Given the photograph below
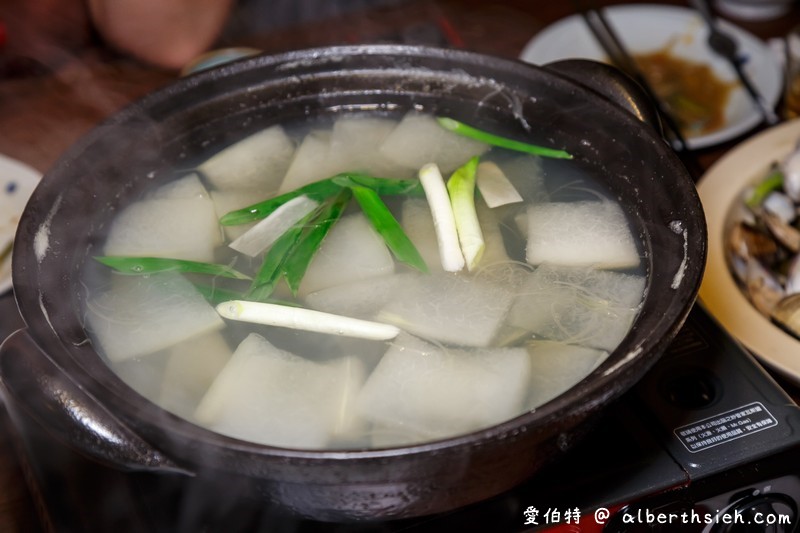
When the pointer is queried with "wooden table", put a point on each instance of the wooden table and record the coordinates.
(42, 114)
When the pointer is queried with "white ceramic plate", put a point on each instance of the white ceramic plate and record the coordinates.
(648, 28)
(719, 189)
(17, 181)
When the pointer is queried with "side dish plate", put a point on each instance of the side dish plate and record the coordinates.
(17, 181)
(650, 28)
(719, 188)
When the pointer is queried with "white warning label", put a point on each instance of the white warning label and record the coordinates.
(725, 427)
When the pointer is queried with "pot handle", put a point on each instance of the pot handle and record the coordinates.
(613, 84)
(31, 382)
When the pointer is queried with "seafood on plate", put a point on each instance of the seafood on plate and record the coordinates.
(763, 242)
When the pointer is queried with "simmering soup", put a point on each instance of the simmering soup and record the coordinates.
(364, 282)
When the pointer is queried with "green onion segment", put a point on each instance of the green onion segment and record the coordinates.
(495, 140)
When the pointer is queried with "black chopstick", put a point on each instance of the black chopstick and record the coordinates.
(725, 45)
(619, 56)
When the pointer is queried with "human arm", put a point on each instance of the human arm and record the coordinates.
(165, 33)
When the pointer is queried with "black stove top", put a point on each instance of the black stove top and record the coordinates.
(706, 438)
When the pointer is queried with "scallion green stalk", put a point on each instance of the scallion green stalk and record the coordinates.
(387, 227)
(318, 190)
(301, 255)
(444, 223)
(305, 319)
(503, 142)
(772, 182)
(461, 187)
(272, 267)
(382, 186)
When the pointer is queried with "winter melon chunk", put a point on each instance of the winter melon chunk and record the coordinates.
(577, 305)
(177, 221)
(311, 162)
(271, 396)
(417, 222)
(232, 200)
(359, 299)
(450, 308)
(557, 367)
(257, 161)
(419, 139)
(355, 147)
(439, 392)
(139, 315)
(191, 367)
(351, 251)
(580, 234)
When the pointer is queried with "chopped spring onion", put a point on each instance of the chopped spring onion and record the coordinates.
(443, 219)
(382, 186)
(272, 267)
(152, 265)
(305, 319)
(495, 140)
(772, 182)
(268, 230)
(318, 190)
(301, 255)
(461, 187)
(387, 227)
(494, 186)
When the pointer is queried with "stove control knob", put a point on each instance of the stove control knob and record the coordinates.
(758, 513)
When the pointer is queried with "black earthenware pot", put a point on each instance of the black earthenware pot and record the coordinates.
(51, 373)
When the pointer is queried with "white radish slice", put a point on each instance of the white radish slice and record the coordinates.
(419, 139)
(355, 147)
(267, 231)
(360, 299)
(177, 221)
(495, 251)
(495, 187)
(191, 367)
(557, 367)
(139, 315)
(436, 391)
(417, 222)
(526, 175)
(450, 308)
(580, 234)
(274, 397)
(257, 161)
(305, 319)
(351, 251)
(311, 162)
(143, 374)
(188, 187)
(578, 305)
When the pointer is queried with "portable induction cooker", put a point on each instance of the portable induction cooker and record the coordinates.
(707, 441)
